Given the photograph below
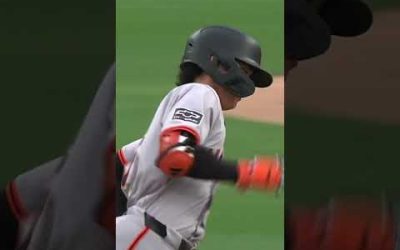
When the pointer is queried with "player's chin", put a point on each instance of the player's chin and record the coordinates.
(231, 105)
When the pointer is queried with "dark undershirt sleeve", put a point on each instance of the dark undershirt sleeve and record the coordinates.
(209, 167)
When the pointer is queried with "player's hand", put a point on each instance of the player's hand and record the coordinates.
(265, 173)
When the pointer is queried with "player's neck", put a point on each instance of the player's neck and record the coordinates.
(204, 79)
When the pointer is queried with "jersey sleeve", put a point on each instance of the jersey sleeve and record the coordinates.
(194, 111)
(128, 152)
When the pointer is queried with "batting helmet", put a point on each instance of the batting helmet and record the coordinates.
(218, 50)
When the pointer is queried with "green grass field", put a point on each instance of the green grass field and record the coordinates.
(150, 39)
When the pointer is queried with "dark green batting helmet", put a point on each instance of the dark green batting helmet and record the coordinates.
(219, 50)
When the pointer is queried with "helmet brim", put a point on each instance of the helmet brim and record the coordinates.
(260, 77)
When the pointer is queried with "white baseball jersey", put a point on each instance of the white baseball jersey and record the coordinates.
(180, 203)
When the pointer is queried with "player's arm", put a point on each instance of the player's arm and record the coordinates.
(125, 155)
(181, 155)
(177, 149)
(264, 173)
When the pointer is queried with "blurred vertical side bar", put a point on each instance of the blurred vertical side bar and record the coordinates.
(57, 182)
(342, 124)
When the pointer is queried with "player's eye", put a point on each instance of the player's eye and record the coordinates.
(247, 70)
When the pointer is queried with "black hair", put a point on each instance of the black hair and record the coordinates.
(188, 73)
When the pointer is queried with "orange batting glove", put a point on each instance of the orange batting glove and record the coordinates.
(262, 173)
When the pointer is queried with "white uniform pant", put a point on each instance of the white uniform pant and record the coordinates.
(132, 234)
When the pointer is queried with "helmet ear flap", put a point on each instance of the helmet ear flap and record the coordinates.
(226, 71)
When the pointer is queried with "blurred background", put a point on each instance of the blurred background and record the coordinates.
(342, 129)
(342, 116)
(151, 36)
(52, 60)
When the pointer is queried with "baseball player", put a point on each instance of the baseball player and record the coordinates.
(171, 173)
(345, 223)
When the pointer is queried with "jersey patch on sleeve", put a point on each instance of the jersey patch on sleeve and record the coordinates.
(187, 115)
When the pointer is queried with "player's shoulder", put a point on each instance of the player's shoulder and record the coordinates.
(196, 90)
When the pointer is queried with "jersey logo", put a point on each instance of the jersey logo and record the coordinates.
(187, 115)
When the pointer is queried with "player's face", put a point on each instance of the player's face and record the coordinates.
(228, 99)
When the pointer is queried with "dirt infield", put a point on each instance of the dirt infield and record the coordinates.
(266, 105)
